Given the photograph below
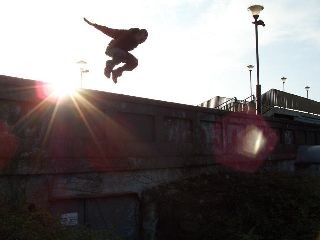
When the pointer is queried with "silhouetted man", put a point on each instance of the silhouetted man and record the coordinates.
(118, 49)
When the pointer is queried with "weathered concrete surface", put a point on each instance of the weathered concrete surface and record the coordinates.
(108, 132)
(308, 159)
(97, 145)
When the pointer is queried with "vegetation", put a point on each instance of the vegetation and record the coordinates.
(228, 205)
(240, 206)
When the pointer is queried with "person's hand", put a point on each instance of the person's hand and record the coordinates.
(87, 21)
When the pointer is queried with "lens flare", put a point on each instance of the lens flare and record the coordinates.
(249, 142)
(253, 142)
(55, 91)
(63, 90)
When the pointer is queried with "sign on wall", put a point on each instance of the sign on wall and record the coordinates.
(69, 219)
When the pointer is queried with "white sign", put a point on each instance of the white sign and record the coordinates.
(69, 219)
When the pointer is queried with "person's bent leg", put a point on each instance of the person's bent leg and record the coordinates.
(117, 55)
(130, 63)
(109, 67)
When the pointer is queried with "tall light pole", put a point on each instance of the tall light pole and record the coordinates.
(255, 10)
(83, 70)
(250, 67)
(307, 89)
(283, 82)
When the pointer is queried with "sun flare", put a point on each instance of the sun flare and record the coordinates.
(63, 90)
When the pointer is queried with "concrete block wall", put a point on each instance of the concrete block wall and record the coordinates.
(97, 147)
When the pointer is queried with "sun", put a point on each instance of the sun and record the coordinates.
(60, 90)
(55, 91)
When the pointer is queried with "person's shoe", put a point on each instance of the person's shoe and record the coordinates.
(107, 71)
(115, 74)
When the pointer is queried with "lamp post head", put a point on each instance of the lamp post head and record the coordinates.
(82, 62)
(307, 88)
(250, 67)
(283, 79)
(255, 10)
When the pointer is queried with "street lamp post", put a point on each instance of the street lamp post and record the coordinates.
(283, 82)
(83, 70)
(307, 89)
(255, 10)
(250, 67)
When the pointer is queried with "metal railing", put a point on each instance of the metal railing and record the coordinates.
(235, 105)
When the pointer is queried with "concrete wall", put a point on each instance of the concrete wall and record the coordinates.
(99, 149)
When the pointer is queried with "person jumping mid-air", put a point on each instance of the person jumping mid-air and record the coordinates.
(124, 40)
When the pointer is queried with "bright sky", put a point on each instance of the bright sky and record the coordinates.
(197, 49)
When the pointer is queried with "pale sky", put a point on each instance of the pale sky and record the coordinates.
(197, 49)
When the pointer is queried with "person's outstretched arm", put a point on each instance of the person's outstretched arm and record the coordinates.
(114, 33)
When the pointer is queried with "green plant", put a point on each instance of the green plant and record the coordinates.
(241, 206)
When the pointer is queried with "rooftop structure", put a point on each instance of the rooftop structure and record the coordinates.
(275, 103)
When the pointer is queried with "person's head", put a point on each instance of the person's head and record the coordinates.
(141, 35)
